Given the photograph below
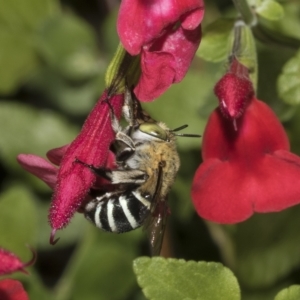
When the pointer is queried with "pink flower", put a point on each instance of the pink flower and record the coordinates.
(10, 263)
(247, 166)
(12, 289)
(166, 33)
(71, 181)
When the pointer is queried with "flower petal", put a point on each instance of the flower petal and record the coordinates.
(158, 73)
(166, 61)
(220, 194)
(182, 44)
(55, 155)
(258, 132)
(91, 146)
(191, 19)
(277, 182)
(39, 167)
(140, 22)
(226, 194)
(11, 289)
(246, 170)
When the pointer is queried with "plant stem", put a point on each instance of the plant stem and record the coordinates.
(245, 11)
(224, 242)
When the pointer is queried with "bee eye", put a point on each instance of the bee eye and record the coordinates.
(153, 130)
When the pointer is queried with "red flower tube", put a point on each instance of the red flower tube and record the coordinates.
(71, 182)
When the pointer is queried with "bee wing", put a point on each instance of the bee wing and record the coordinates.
(140, 115)
(156, 227)
(156, 222)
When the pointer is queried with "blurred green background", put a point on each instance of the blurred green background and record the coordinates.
(53, 56)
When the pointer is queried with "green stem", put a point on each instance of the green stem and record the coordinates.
(245, 11)
(122, 70)
(224, 242)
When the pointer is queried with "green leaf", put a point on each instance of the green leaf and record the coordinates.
(24, 129)
(17, 60)
(284, 32)
(274, 250)
(290, 293)
(175, 279)
(73, 99)
(215, 40)
(26, 15)
(35, 287)
(110, 39)
(264, 294)
(101, 267)
(289, 81)
(269, 9)
(18, 22)
(18, 221)
(244, 48)
(69, 45)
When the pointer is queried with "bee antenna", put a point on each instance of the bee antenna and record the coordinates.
(180, 128)
(187, 135)
(184, 134)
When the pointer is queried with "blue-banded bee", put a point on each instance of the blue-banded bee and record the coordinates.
(147, 164)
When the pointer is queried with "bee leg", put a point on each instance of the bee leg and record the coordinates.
(114, 120)
(133, 111)
(122, 149)
(128, 110)
(128, 177)
(102, 172)
(117, 176)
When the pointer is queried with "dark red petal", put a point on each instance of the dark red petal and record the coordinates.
(90, 146)
(191, 20)
(166, 62)
(140, 22)
(234, 90)
(39, 167)
(158, 73)
(10, 263)
(182, 44)
(11, 289)
(55, 155)
(234, 94)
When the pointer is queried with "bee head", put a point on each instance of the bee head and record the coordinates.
(150, 131)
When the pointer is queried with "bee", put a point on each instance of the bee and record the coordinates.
(147, 164)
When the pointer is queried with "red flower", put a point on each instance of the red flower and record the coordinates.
(167, 34)
(12, 289)
(72, 182)
(247, 168)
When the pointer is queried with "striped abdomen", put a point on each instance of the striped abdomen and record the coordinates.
(118, 212)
